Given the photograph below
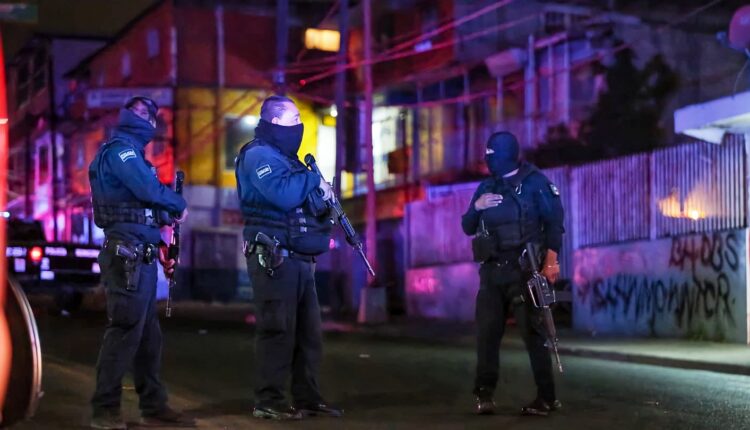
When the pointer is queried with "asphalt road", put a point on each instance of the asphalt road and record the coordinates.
(388, 384)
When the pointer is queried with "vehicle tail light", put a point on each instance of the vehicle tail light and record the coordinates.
(35, 254)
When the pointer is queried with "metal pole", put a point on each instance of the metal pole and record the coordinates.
(282, 37)
(27, 210)
(370, 210)
(53, 144)
(341, 117)
(416, 145)
(218, 168)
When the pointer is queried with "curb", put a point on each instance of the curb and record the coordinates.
(733, 369)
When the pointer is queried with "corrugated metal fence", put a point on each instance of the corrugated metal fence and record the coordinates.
(691, 188)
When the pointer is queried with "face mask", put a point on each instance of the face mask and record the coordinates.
(287, 138)
(502, 154)
(136, 126)
(499, 166)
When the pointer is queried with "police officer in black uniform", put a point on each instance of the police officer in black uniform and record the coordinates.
(130, 204)
(516, 205)
(286, 226)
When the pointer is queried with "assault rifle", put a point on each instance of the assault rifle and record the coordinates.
(333, 203)
(174, 245)
(542, 296)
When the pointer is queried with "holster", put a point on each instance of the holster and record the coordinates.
(132, 264)
(270, 253)
(133, 258)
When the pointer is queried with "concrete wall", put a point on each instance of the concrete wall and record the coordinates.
(445, 292)
(692, 286)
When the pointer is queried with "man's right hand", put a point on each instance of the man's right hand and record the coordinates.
(488, 200)
(327, 189)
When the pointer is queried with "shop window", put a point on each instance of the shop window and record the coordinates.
(125, 65)
(152, 43)
(239, 131)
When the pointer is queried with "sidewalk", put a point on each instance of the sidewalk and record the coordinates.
(685, 354)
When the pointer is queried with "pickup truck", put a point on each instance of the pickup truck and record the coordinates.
(65, 270)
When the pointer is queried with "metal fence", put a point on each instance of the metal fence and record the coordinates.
(692, 188)
(699, 187)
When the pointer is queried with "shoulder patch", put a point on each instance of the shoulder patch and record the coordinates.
(127, 155)
(263, 170)
(553, 189)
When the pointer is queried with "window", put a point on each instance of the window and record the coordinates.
(22, 91)
(44, 165)
(80, 157)
(125, 65)
(40, 71)
(239, 131)
(152, 43)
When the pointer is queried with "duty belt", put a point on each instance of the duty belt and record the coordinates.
(257, 248)
(145, 252)
(506, 258)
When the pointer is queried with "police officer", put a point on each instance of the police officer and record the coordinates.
(516, 205)
(130, 204)
(286, 226)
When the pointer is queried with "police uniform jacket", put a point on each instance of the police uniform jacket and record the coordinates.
(121, 175)
(274, 190)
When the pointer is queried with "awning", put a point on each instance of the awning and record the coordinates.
(709, 121)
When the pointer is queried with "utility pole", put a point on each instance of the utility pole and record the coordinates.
(53, 143)
(218, 115)
(372, 302)
(282, 37)
(341, 116)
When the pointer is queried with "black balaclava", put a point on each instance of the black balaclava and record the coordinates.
(138, 128)
(287, 138)
(505, 159)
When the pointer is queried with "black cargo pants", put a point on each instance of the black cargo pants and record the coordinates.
(500, 290)
(288, 332)
(132, 338)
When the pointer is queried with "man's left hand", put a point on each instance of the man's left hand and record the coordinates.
(551, 272)
(167, 264)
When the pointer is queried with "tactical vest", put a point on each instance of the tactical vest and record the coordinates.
(107, 213)
(305, 229)
(513, 233)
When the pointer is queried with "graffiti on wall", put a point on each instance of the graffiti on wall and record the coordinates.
(687, 286)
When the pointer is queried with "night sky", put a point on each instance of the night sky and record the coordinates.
(74, 17)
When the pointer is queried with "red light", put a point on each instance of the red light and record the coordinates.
(36, 254)
(302, 82)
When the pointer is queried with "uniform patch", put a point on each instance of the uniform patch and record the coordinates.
(263, 170)
(554, 189)
(127, 155)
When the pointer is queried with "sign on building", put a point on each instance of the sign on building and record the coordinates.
(110, 98)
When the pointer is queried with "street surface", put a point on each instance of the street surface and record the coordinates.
(386, 384)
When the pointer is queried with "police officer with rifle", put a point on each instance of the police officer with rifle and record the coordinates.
(514, 207)
(131, 205)
(287, 224)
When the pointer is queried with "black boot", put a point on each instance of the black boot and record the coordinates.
(281, 413)
(167, 417)
(540, 407)
(485, 402)
(107, 419)
(320, 410)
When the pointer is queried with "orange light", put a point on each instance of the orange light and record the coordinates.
(324, 40)
(36, 254)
